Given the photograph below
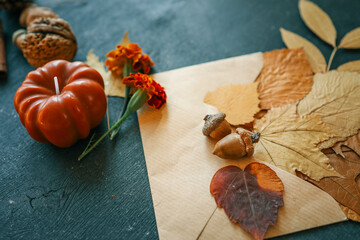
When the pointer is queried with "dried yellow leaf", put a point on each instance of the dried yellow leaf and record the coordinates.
(238, 102)
(351, 40)
(335, 97)
(113, 84)
(289, 141)
(285, 78)
(315, 57)
(125, 41)
(318, 21)
(353, 66)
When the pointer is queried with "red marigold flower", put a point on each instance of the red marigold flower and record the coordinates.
(155, 92)
(144, 63)
(117, 58)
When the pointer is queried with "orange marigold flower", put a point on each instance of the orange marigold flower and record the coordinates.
(117, 58)
(155, 92)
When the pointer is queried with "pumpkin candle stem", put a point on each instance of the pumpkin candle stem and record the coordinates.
(56, 82)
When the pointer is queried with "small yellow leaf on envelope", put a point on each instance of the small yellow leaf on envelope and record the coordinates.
(238, 102)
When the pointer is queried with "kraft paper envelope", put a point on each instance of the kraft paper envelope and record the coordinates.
(180, 163)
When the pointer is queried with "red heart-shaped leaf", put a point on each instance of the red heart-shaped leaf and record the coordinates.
(250, 197)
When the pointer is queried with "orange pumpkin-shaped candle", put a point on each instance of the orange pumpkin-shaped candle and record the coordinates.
(60, 102)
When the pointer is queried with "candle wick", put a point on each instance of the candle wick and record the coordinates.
(56, 82)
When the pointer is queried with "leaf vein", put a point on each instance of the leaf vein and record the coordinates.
(297, 152)
(358, 200)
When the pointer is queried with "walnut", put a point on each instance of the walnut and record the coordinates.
(46, 39)
(32, 12)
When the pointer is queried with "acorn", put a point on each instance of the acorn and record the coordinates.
(216, 126)
(236, 145)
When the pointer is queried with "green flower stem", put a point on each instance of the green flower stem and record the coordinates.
(126, 72)
(137, 101)
(126, 101)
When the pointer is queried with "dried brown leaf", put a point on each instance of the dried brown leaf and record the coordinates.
(285, 78)
(346, 189)
(350, 214)
(353, 66)
(315, 57)
(351, 40)
(335, 96)
(113, 84)
(238, 102)
(352, 142)
(318, 21)
(250, 197)
(289, 141)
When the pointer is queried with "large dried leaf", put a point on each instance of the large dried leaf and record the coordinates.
(353, 66)
(335, 97)
(289, 141)
(238, 102)
(352, 142)
(345, 190)
(285, 78)
(250, 197)
(113, 83)
(315, 57)
(351, 40)
(318, 21)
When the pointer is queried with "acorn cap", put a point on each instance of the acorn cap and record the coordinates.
(248, 138)
(216, 126)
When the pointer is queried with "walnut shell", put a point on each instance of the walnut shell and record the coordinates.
(46, 39)
(32, 12)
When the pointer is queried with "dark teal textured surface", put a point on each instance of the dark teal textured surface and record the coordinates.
(46, 193)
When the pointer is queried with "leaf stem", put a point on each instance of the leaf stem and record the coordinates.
(90, 148)
(331, 58)
(255, 137)
(138, 99)
(207, 222)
